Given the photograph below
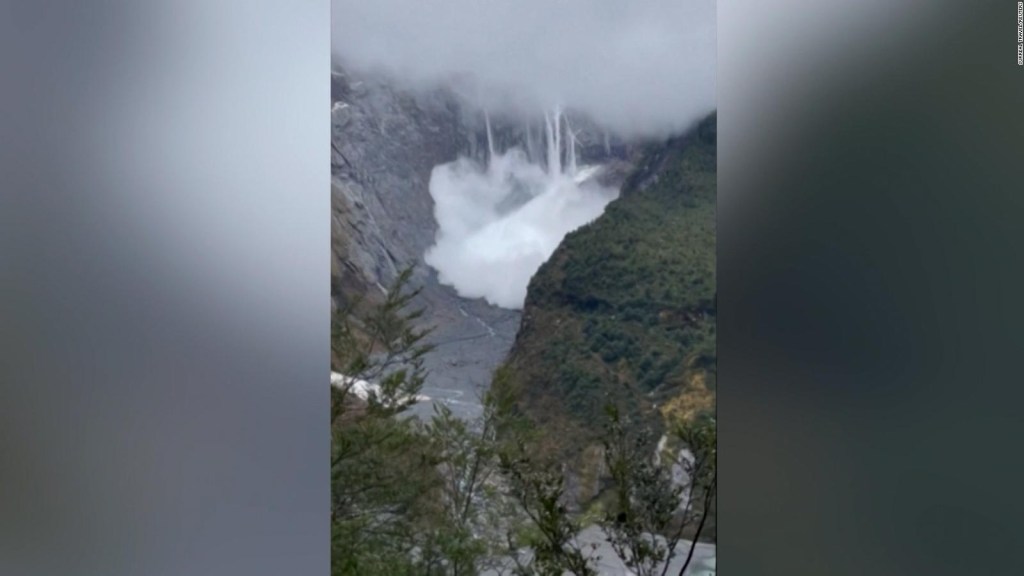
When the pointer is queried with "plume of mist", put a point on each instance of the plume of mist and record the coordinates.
(497, 224)
(638, 67)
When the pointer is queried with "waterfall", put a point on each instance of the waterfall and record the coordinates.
(572, 148)
(531, 145)
(553, 128)
(490, 138)
(559, 147)
(499, 220)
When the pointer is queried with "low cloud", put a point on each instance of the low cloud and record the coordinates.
(639, 67)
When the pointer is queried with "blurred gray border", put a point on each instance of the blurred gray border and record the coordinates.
(164, 294)
(869, 274)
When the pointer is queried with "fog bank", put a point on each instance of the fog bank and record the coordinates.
(642, 67)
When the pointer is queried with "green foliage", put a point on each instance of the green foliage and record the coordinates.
(377, 506)
(381, 345)
(476, 513)
(439, 498)
(539, 490)
(650, 510)
(700, 437)
(646, 499)
(625, 310)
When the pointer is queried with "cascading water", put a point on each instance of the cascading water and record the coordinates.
(531, 143)
(498, 223)
(490, 138)
(553, 127)
(572, 148)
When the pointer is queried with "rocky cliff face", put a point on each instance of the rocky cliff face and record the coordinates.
(385, 142)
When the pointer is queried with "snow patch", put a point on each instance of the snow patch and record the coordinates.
(362, 389)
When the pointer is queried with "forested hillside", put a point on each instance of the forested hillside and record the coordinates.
(624, 311)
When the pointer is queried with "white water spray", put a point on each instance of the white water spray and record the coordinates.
(498, 223)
